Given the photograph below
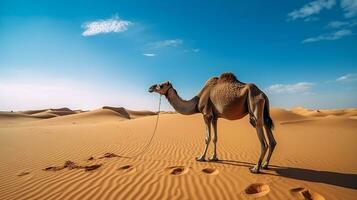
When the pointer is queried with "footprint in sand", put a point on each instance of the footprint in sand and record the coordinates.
(91, 167)
(23, 173)
(177, 170)
(210, 171)
(71, 165)
(109, 155)
(306, 194)
(127, 169)
(257, 190)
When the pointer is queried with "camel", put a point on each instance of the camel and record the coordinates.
(226, 97)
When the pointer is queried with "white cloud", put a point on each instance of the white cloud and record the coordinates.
(166, 43)
(311, 8)
(290, 88)
(113, 24)
(337, 24)
(350, 7)
(332, 36)
(149, 54)
(347, 78)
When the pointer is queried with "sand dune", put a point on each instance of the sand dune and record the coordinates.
(67, 116)
(130, 114)
(33, 115)
(105, 114)
(90, 117)
(279, 114)
(84, 156)
(48, 113)
(53, 113)
(7, 118)
(30, 112)
(324, 113)
(141, 113)
(120, 110)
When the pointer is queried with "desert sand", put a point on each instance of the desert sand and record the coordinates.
(66, 154)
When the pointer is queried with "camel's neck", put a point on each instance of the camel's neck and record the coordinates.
(182, 106)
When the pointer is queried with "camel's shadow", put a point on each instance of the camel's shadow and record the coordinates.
(333, 178)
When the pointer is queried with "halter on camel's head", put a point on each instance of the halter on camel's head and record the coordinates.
(161, 88)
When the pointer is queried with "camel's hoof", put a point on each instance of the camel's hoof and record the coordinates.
(213, 159)
(265, 166)
(254, 170)
(201, 159)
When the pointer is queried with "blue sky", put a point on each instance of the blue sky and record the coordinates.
(86, 54)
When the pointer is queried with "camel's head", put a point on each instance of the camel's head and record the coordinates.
(161, 88)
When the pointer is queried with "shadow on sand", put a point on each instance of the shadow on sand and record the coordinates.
(333, 178)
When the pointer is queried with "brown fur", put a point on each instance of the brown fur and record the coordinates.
(208, 85)
(227, 77)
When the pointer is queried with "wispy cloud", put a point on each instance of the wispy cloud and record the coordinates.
(114, 24)
(341, 24)
(350, 8)
(337, 24)
(166, 43)
(311, 8)
(332, 36)
(290, 88)
(149, 54)
(347, 78)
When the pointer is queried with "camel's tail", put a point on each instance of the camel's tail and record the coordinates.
(267, 119)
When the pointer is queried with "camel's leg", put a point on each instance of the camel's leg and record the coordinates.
(272, 144)
(207, 139)
(258, 111)
(214, 156)
(264, 148)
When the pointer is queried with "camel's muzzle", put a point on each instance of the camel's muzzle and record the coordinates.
(152, 88)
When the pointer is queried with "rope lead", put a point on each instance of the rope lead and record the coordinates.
(152, 136)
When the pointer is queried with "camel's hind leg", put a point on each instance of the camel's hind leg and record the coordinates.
(215, 138)
(258, 110)
(272, 144)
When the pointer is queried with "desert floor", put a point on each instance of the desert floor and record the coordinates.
(315, 157)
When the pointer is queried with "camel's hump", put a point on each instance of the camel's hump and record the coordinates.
(227, 77)
(208, 85)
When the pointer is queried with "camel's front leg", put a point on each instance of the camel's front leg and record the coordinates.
(214, 156)
(264, 147)
(207, 139)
